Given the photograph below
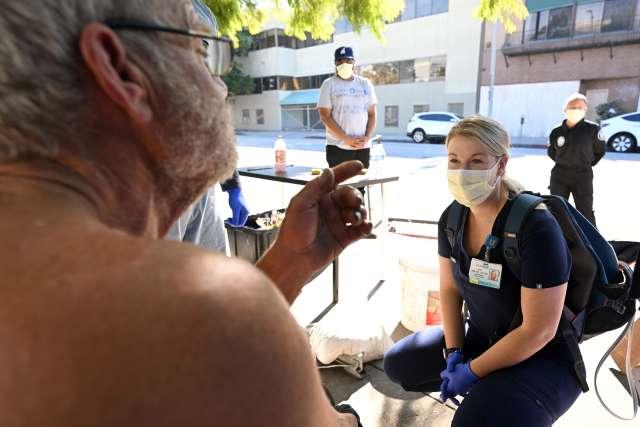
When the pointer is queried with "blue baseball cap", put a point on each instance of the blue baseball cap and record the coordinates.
(343, 52)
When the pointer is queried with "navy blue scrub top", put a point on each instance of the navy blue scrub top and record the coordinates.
(545, 263)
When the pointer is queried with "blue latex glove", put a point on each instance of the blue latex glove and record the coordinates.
(452, 360)
(238, 207)
(459, 381)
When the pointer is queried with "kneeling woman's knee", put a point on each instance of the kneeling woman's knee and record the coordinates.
(393, 365)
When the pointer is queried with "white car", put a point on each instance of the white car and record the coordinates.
(622, 133)
(428, 126)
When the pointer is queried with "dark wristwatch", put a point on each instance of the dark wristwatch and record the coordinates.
(447, 351)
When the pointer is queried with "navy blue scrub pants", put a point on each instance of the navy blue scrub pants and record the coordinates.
(533, 393)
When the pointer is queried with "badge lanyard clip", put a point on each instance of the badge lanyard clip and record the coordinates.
(490, 243)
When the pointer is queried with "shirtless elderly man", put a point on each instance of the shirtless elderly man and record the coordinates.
(106, 135)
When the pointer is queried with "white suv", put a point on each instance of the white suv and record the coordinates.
(427, 126)
(622, 133)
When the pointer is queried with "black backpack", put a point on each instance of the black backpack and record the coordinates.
(601, 295)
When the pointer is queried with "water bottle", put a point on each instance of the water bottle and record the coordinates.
(376, 162)
(280, 149)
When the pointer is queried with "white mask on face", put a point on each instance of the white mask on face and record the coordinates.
(471, 187)
(575, 115)
(345, 71)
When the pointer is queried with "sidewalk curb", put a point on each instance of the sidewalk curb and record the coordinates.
(408, 141)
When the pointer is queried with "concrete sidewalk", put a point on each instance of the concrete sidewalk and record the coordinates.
(524, 142)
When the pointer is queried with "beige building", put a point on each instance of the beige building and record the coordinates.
(430, 62)
(564, 46)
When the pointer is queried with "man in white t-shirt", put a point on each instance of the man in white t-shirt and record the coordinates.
(347, 106)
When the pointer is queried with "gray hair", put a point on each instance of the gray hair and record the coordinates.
(42, 74)
(492, 135)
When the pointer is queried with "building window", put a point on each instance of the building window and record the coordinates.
(430, 69)
(407, 72)
(285, 83)
(456, 108)
(260, 116)
(269, 83)
(271, 38)
(438, 69)
(617, 15)
(419, 8)
(246, 118)
(541, 26)
(529, 31)
(409, 11)
(385, 73)
(560, 22)
(431, 7)
(343, 26)
(422, 108)
(414, 70)
(391, 116)
(277, 38)
(439, 6)
(589, 18)
(285, 40)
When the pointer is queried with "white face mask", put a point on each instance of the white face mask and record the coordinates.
(471, 187)
(345, 71)
(575, 115)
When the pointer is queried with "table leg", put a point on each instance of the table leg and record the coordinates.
(368, 189)
(336, 280)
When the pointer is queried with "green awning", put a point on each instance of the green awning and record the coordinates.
(537, 5)
(301, 97)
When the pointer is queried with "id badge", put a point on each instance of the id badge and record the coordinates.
(484, 273)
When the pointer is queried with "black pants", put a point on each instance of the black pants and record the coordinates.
(533, 393)
(580, 184)
(336, 155)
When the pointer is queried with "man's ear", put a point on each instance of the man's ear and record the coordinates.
(120, 80)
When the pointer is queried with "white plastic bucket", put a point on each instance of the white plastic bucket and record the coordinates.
(420, 287)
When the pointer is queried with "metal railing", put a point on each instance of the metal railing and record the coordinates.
(595, 34)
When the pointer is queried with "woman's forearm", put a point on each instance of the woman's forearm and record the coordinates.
(515, 347)
(452, 323)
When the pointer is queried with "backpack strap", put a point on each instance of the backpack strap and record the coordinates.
(569, 335)
(521, 206)
(455, 215)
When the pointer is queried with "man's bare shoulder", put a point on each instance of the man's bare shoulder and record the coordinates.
(138, 331)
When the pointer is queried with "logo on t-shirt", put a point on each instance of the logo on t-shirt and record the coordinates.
(560, 141)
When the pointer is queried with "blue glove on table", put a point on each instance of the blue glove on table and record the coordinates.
(452, 360)
(238, 207)
(459, 380)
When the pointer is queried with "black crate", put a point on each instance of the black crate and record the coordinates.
(250, 242)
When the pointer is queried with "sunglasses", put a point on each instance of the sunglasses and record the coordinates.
(219, 56)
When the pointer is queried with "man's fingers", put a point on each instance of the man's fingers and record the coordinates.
(353, 216)
(314, 190)
(347, 197)
(357, 232)
(346, 170)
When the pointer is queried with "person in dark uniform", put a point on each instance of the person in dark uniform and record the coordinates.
(522, 376)
(575, 146)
